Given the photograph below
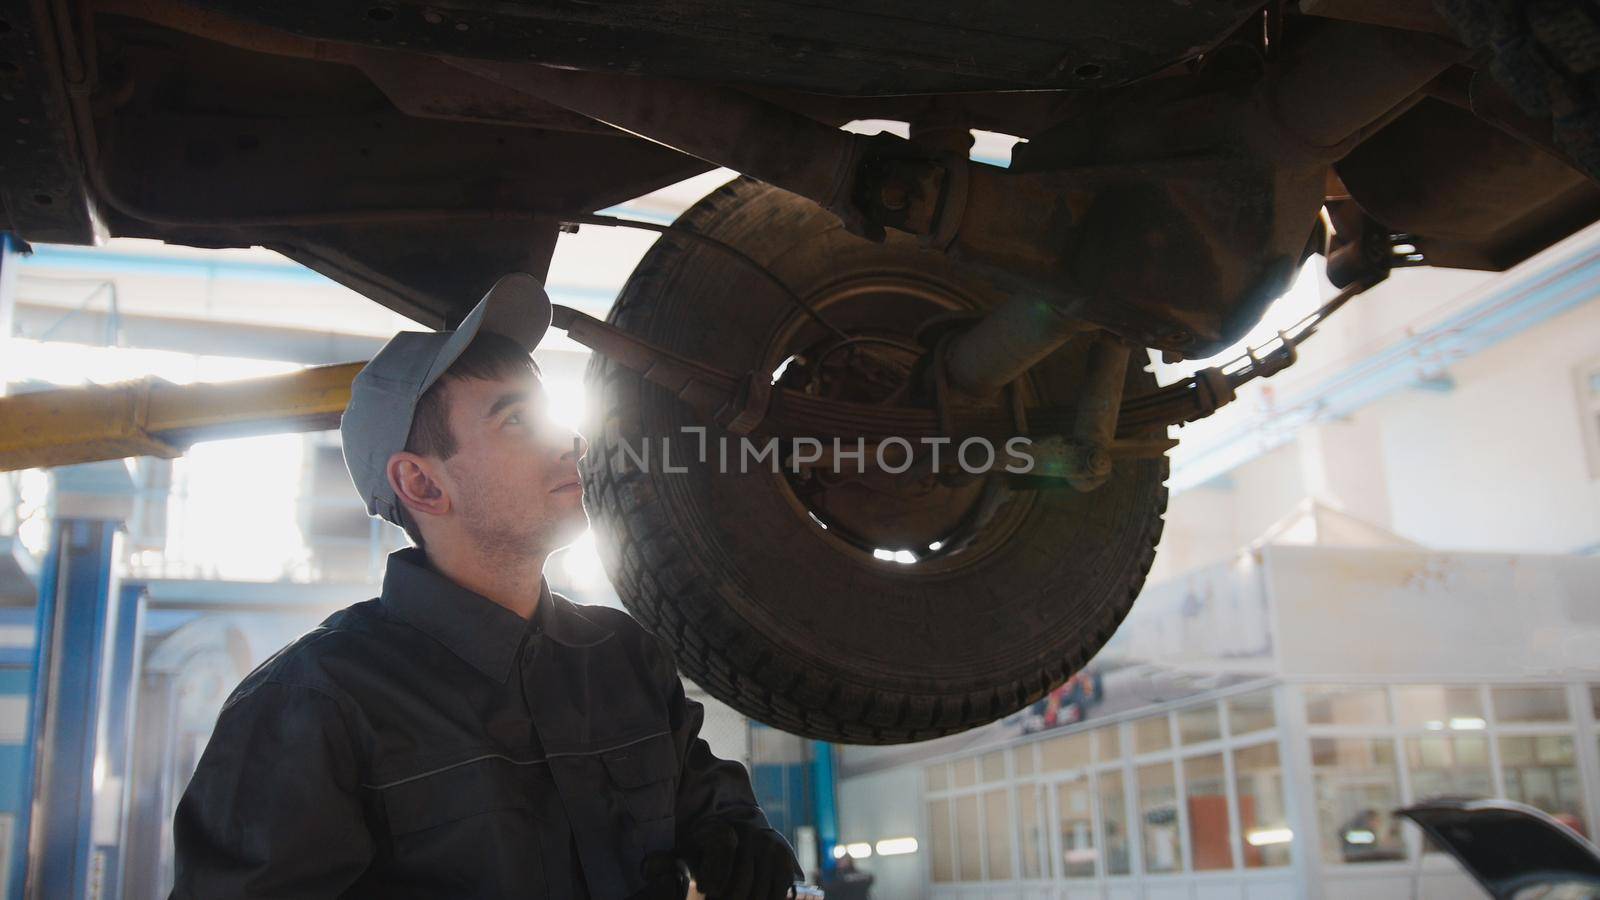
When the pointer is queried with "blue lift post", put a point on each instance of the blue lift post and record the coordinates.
(826, 808)
(76, 622)
(115, 743)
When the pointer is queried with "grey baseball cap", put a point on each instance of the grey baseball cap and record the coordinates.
(383, 397)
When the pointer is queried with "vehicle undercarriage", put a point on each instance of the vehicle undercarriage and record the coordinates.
(1179, 164)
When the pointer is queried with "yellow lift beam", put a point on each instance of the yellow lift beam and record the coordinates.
(153, 417)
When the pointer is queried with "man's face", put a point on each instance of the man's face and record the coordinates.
(513, 479)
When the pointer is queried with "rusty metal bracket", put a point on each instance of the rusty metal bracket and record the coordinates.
(753, 405)
(707, 390)
(1094, 427)
(952, 208)
(1114, 428)
(1203, 393)
(747, 410)
(1214, 389)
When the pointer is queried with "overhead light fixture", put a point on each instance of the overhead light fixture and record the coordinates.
(859, 851)
(838, 851)
(1360, 836)
(1467, 723)
(1080, 855)
(897, 846)
(1266, 837)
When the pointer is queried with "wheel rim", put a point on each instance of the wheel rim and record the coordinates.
(914, 524)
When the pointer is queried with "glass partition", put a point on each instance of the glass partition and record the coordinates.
(997, 830)
(1075, 818)
(1158, 818)
(1263, 815)
(1357, 788)
(1205, 788)
(1114, 822)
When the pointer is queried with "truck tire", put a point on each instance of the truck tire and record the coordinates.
(805, 627)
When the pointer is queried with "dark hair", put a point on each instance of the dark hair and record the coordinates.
(488, 357)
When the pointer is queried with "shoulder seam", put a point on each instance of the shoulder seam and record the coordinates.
(326, 692)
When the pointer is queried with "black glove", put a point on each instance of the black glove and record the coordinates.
(732, 862)
(662, 880)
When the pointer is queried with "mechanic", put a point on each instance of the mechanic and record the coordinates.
(469, 733)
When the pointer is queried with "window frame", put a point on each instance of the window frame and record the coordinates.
(1580, 726)
(1588, 400)
(1091, 774)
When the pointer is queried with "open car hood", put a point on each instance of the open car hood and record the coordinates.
(1513, 850)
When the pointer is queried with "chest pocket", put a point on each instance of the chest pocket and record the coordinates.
(458, 792)
(645, 774)
(475, 829)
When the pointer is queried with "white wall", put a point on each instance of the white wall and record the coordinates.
(1268, 490)
(1199, 531)
(1343, 464)
(1209, 524)
(1499, 463)
(887, 804)
(1406, 613)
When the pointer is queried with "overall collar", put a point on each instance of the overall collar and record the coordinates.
(483, 633)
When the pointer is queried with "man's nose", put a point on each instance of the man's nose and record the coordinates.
(577, 448)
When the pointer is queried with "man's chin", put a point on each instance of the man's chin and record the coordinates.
(569, 528)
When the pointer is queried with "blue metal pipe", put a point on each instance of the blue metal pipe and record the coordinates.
(44, 619)
(75, 621)
(827, 809)
(115, 744)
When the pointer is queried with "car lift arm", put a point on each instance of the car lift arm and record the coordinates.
(153, 417)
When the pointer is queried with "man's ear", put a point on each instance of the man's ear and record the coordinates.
(415, 482)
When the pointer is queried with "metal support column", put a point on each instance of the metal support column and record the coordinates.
(8, 289)
(822, 785)
(76, 621)
(115, 743)
(146, 873)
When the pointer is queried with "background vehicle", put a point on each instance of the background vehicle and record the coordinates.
(1512, 849)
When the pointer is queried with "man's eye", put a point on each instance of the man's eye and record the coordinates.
(514, 419)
